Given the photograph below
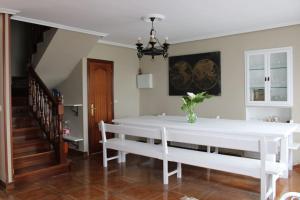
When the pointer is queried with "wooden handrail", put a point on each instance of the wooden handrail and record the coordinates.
(49, 112)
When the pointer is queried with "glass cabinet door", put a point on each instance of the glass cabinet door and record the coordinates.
(278, 76)
(256, 67)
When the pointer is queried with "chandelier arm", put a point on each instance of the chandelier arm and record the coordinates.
(158, 42)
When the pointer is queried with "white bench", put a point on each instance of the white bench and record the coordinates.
(129, 146)
(267, 171)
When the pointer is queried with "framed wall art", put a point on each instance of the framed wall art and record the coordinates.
(195, 73)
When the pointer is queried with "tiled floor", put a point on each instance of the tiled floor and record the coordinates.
(141, 179)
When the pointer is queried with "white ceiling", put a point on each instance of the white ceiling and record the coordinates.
(186, 20)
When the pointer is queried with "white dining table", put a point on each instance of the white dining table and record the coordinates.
(283, 131)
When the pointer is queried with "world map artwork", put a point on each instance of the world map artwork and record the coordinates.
(195, 73)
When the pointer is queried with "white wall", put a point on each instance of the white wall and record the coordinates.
(130, 101)
(126, 95)
(62, 54)
(72, 91)
(231, 103)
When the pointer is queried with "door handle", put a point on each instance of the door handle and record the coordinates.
(92, 109)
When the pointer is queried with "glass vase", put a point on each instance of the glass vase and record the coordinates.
(191, 117)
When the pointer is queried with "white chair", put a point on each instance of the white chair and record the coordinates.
(291, 196)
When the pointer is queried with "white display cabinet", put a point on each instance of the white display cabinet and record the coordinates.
(269, 77)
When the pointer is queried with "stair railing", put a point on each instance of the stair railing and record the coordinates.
(49, 111)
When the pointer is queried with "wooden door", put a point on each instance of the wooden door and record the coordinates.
(100, 86)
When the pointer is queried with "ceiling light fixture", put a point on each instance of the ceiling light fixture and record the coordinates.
(154, 47)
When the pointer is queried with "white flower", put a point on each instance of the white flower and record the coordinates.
(191, 95)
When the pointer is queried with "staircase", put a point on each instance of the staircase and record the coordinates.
(35, 153)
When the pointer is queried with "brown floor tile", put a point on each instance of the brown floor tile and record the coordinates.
(141, 179)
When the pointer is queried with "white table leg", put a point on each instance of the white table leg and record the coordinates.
(284, 155)
(122, 155)
(291, 159)
(150, 140)
(151, 161)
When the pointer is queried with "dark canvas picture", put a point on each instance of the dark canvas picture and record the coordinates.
(195, 73)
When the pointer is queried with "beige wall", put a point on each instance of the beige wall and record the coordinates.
(62, 55)
(71, 88)
(126, 94)
(72, 91)
(231, 103)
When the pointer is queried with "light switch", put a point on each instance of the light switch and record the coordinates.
(0, 108)
(116, 101)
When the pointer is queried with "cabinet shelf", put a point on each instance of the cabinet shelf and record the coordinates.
(278, 68)
(283, 87)
(254, 69)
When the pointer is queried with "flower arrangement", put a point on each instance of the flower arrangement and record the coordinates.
(190, 102)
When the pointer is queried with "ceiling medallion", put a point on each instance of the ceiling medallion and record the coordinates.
(154, 47)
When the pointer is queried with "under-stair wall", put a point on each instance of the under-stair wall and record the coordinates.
(64, 52)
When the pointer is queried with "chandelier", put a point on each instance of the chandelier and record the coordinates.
(154, 47)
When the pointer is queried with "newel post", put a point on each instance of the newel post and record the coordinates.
(60, 115)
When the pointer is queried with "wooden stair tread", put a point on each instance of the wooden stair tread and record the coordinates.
(30, 142)
(33, 130)
(29, 153)
(30, 146)
(31, 169)
(19, 101)
(34, 155)
(24, 161)
(26, 116)
(26, 129)
(42, 171)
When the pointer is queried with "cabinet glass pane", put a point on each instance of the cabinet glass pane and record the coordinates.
(278, 76)
(257, 77)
